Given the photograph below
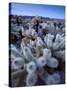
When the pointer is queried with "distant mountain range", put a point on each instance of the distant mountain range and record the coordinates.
(42, 18)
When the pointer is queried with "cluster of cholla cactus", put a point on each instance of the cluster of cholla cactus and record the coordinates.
(38, 61)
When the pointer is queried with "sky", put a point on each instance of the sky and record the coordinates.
(51, 11)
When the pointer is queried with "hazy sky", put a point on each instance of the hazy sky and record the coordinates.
(51, 11)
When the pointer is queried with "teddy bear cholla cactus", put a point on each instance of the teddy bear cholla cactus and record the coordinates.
(59, 43)
(31, 79)
(48, 39)
(49, 79)
(17, 63)
(47, 58)
(50, 57)
(31, 31)
(27, 53)
(17, 60)
(52, 79)
(39, 63)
